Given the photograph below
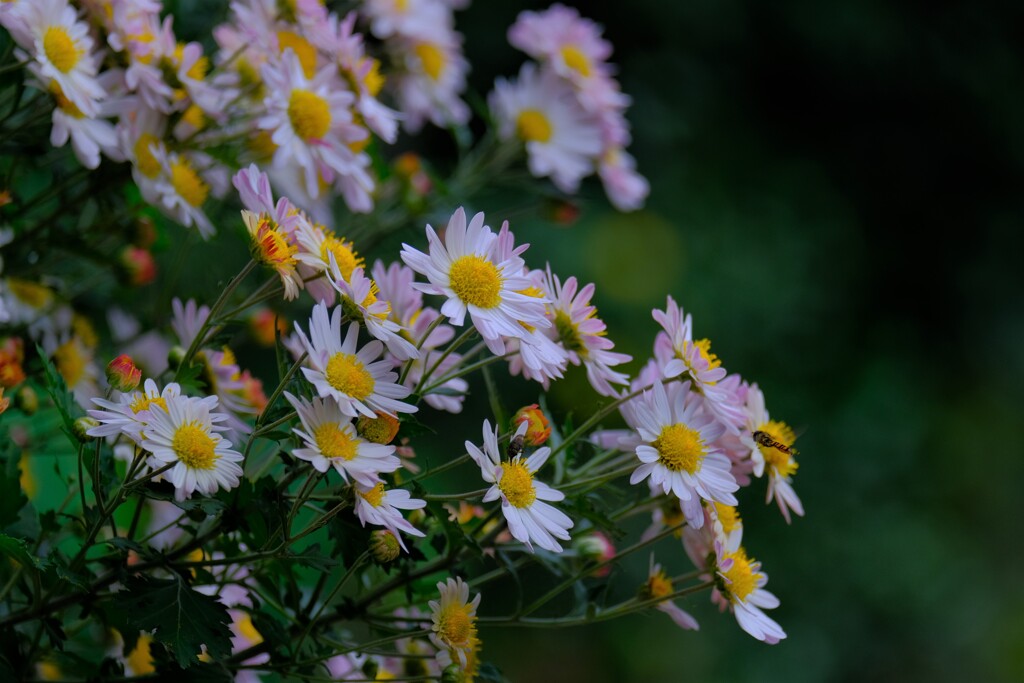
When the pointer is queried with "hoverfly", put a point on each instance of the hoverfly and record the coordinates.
(765, 439)
(515, 446)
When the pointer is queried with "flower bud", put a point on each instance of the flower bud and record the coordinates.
(123, 374)
(453, 674)
(561, 212)
(82, 426)
(137, 265)
(26, 400)
(381, 429)
(384, 546)
(595, 547)
(538, 429)
(175, 356)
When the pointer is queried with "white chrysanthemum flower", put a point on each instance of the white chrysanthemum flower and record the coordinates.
(562, 141)
(130, 413)
(626, 188)
(405, 17)
(186, 434)
(453, 618)
(61, 50)
(464, 270)
(312, 123)
(182, 189)
(742, 586)
(530, 519)
(353, 377)
(582, 333)
(779, 464)
(678, 451)
(678, 353)
(360, 303)
(187, 320)
(659, 585)
(331, 440)
(380, 507)
(434, 79)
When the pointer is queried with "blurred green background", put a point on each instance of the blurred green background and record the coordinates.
(836, 197)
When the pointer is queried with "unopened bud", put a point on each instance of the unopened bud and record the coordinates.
(384, 546)
(595, 547)
(538, 429)
(561, 212)
(138, 265)
(381, 429)
(123, 374)
(175, 356)
(453, 674)
(26, 400)
(82, 426)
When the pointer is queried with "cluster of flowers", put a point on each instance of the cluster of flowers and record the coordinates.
(125, 87)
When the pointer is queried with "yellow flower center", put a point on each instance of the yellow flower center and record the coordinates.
(476, 281)
(432, 59)
(517, 484)
(680, 448)
(63, 103)
(374, 79)
(455, 625)
(144, 159)
(60, 49)
(742, 579)
(333, 442)
(199, 67)
(303, 50)
(270, 246)
(533, 126)
(344, 255)
(346, 374)
(783, 462)
(194, 447)
(659, 585)
(374, 496)
(188, 184)
(143, 402)
(262, 145)
(140, 660)
(84, 330)
(729, 516)
(569, 334)
(309, 114)
(576, 60)
(247, 630)
(70, 362)
(704, 349)
(194, 117)
(30, 293)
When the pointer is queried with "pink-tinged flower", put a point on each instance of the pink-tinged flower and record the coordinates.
(182, 188)
(678, 353)
(659, 586)
(360, 302)
(353, 377)
(678, 451)
(626, 188)
(530, 519)
(433, 81)
(187, 319)
(741, 589)
(562, 140)
(312, 126)
(770, 444)
(138, 264)
(464, 269)
(122, 374)
(595, 547)
(380, 507)
(582, 334)
(406, 18)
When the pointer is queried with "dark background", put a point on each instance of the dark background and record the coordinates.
(836, 197)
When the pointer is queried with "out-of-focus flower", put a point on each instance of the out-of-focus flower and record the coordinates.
(138, 264)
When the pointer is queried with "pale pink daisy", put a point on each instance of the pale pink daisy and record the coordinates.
(779, 464)
(659, 585)
(626, 188)
(380, 507)
(530, 519)
(354, 377)
(742, 590)
(360, 302)
(434, 78)
(331, 440)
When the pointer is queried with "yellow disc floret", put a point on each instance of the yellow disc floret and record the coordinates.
(61, 49)
(517, 484)
(680, 448)
(144, 159)
(70, 362)
(344, 255)
(658, 585)
(194, 447)
(533, 126)
(432, 59)
(309, 114)
(142, 402)
(782, 433)
(346, 373)
(333, 442)
(188, 184)
(374, 496)
(729, 516)
(741, 578)
(476, 281)
(304, 50)
(455, 625)
(576, 60)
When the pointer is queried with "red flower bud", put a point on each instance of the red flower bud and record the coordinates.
(123, 374)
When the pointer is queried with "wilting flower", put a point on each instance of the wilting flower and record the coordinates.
(454, 619)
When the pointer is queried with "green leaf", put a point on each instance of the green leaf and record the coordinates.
(18, 550)
(11, 497)
(58, 391)
(183, 619)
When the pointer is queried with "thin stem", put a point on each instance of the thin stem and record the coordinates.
(341, 584)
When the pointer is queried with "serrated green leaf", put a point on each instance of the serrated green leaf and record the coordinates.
(182, 619)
